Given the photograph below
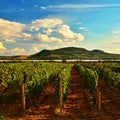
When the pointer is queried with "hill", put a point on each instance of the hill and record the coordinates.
(65, 53)
(73, 53)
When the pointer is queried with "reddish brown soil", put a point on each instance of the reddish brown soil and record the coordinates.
(110, 101)
(76, 107)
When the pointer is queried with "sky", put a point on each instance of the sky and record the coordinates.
(29, 26)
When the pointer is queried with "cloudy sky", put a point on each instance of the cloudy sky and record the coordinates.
(28, 26)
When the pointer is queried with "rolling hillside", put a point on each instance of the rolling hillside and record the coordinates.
(74, 53)
(65, 53)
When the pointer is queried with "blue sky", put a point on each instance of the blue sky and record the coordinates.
(28, 26)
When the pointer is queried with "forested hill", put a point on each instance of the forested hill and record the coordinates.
(66, 53)
(74, 53)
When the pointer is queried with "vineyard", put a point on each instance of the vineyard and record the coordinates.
(60, 90)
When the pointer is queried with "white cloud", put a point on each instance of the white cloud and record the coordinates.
(26, 36)
(83, 28)
(45, 38)
(12, 31)
(48, 31)
(41, 46)
(116, 32)
(51, 29)
(9, 40)
(14, 51)
(34, 49)
(43, 31)
(17, 51)
(43, 8)
(38, 47)
(44, 23)
(2, 48)
(68, 35)
(82, 6)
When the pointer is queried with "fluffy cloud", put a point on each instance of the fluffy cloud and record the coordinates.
(44, 23)
(68, 34)
(48, 31)
(53, 30)
(12, 31)
(38, 47)
(43, 31)
(45, 38)
(25, 36)
(17, 51)
(2, 48)
(14, 51)
(35, 49)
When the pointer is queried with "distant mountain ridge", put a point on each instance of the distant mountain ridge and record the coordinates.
(74, 53)
(66, 53)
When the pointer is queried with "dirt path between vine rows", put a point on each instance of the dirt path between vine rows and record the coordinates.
(110, 101)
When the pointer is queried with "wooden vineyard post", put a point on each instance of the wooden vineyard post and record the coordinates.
(98, 99)
(60, 96)
(23, 97)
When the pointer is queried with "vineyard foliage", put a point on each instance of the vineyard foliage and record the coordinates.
(63, 77)
(89, 76)
(35, 75)
(108, 71)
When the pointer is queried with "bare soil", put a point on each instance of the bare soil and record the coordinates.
(76, 106)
